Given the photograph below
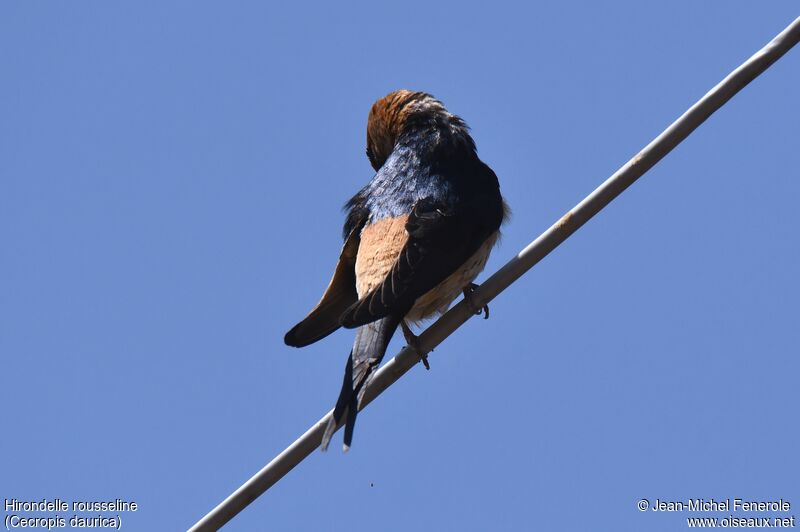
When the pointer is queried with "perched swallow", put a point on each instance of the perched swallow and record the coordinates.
(415, 237)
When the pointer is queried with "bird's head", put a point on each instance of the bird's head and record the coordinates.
(397, 112)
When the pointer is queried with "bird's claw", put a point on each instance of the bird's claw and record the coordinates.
(468, 290)
(413, 342)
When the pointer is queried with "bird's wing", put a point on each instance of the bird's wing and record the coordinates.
(437, 241)
(340, 294)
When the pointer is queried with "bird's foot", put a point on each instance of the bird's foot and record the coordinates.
(413, 342)
(468, 290)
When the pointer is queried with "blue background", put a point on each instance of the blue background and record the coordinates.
(171, 179)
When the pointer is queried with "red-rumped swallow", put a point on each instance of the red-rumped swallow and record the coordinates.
(415, 237)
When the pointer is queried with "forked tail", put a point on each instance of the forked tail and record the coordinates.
(369, 347)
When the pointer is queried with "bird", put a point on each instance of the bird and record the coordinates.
(415, 238)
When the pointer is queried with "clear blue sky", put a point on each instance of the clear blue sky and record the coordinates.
(171, 182)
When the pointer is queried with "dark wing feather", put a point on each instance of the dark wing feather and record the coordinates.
(439, 241)
(340, 294)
